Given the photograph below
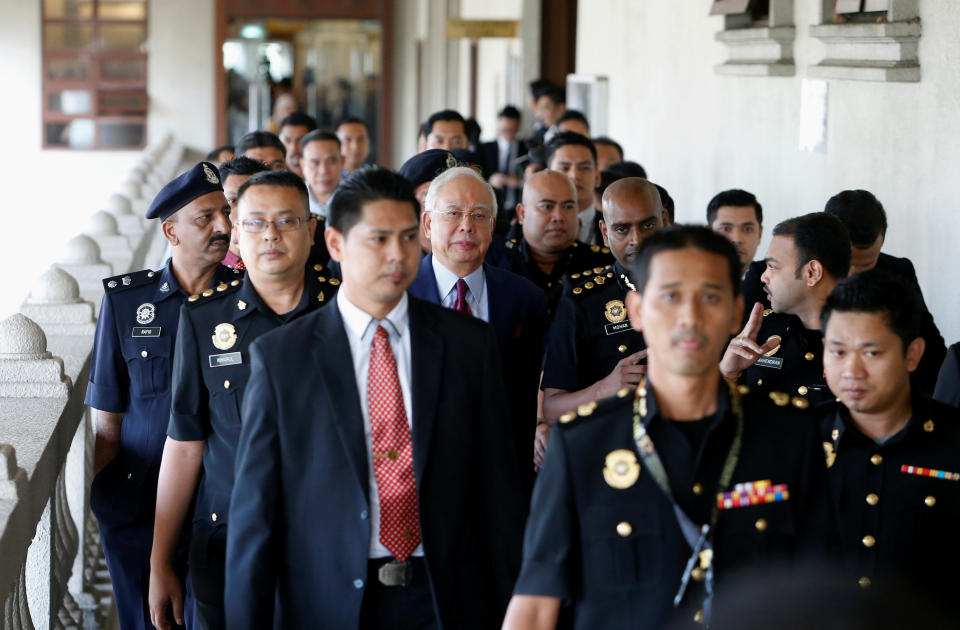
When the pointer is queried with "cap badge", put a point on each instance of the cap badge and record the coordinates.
(615, 311)
(451, 160)
(224, 336)
(621, 469)
(146, 313)
(211, 176)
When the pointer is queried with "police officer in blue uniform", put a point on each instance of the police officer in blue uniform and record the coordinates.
(211, 368)
(893, 453)
(129, 386)
(644, 496)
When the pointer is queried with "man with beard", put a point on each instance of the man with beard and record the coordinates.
(592, 351)
(129, 388)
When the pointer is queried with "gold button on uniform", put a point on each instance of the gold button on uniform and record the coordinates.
(928, 426)
(872, 499)
(621, 349)
(930, 501)
(698, 574)
(214, 517)
(698, 488)
(761, 524)
(876, 459)
(869, 541)
(207, 293)
(698, 617)
(808, 356)
(864, 582)
(226, 384)
(802, 390)
(624, 529)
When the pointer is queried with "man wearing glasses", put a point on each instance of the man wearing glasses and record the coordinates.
(461, 210)
(211, 368)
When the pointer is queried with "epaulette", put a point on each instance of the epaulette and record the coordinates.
(221, 289)
(329, 283)
(511, 243)
(596, 277)
(780, 399)
(129, 280)
(586, 410)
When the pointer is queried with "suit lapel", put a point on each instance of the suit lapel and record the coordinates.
(334, 362)
(427, 281)
(426, 347)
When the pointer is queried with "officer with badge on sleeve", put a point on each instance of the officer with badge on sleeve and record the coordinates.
(129, 386)
(210, 371)
(647, 498)
(893, 453)
(592, 350)
(807, 256)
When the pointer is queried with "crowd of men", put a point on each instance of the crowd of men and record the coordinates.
(500, 388)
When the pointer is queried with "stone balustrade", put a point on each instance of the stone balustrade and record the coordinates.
(52, 572)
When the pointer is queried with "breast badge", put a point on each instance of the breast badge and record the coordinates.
(829, 453)
(615, 311)
(621, 469)
(146, 313)
(224, 336)
(774, 351)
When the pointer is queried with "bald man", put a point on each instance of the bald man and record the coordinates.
(547, 251)
(592, 351)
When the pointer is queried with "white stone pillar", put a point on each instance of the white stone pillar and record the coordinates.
(55, 305)
(114, 248)
(81, 259)
(27, 369)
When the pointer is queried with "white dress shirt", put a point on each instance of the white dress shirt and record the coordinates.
(360, 328)
(588, 226)
(317, 208)
(476, 289)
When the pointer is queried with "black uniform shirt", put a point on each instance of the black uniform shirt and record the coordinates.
(896, 519)
(591, 331)
(795, 367)
(606, 537)
(210, 371)
(579, 258)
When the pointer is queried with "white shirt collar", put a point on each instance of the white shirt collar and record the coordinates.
(360, 323)
(447, 280)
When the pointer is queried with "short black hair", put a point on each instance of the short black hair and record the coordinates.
(509, 112)
(573, 114)
(353, 120)
(566, 138)
(472, 129)
(539, 87)
(556, 94)
(257, 139)
(422, 131)
(681, 237)
(318, 135)
(667, 202)
(364, 186)
(627, 169)
(241, 166)
(609, 142)
(733, 197)
(819, 236)
(861, 213)
(281, 179)
(213, 155)
(881, 292)
(441, 116)
(298, 119)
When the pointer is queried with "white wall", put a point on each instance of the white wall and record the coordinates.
(49, 194)
(697, 132)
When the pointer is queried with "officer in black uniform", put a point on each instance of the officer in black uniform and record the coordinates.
(130, 376)
(548, 252)
(643, 497)
(780, 350)
(592, 351)
(893, 453)
(210, 370)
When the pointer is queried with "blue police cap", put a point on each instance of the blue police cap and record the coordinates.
(424, 167)
(198, 181)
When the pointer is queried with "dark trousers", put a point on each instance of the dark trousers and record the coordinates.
(208, 559)
(407, 607)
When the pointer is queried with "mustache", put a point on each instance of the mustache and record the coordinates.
(218, 237)
(687, 333)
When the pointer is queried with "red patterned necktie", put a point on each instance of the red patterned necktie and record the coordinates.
(392, 452)
(460, 303)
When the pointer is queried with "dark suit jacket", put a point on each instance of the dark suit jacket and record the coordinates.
(300, 526)
(948, 383)
(518, 310)
(925, 376)
(490, 152)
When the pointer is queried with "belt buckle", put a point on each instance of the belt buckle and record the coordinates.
(395, 573)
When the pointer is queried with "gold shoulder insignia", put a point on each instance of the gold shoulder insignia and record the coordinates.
(568, 417)
(194, 297)
(594, 248)
(767, 311)
(743, 390)
(800, 403)
(605, 250)
(586, 408)
(780, 399)
(623, 392)
(577, 290)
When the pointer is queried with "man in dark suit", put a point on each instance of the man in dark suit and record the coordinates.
(948, 383)
(500, 161)
(382, 496)
(459, 217)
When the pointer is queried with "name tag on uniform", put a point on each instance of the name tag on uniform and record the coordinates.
(145, 331)
(612, 329)
(229, 358)
(771, 362)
